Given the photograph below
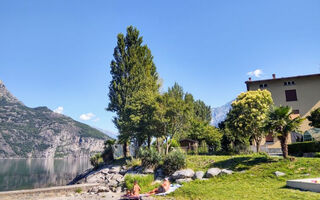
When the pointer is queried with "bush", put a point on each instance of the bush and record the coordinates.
(203, 148)
(144, 181)
(149, 157)
(174, 161)
(317, 155)
(133, 162)
(303, 147)
(96, 160)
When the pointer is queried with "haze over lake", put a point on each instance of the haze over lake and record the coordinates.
(16, 174)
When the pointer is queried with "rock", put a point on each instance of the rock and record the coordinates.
(198, 175)
(115, 170)
(103, 189)
(159, 175)
(226, 171)
(118, 177)
(277, 173)
(183, 174)
(118, 190)
(183, 180)
(96, 178)
(212, 172)
(104, 171)
(148, 171)
(112, 183)
(93, 190)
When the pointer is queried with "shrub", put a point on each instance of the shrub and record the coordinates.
(107, 154)
(149, 157)
(317, 155)
(174, 161)
(133, 162)
(96, 160)
(203, 148)
(303, 147)
(144, 181)
(78, 190)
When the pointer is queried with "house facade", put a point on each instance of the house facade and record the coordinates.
(301, 93)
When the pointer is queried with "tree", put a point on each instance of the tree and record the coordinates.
(248, 114)
(314, 118)
(202, 111)
(280, 123)
(173, 115)
(132, 71)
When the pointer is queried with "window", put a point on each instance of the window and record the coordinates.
(263, 85)
(291, 95)
(269, 138)
(289, 83)
(296, 112)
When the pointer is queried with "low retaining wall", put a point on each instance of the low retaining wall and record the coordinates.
(305, 184)
(44, 192)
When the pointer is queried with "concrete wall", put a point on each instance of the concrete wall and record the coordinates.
(308, 94)
(308, 97)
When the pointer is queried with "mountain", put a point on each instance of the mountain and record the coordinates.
(41, 133)
(220, 113)
(108, 133)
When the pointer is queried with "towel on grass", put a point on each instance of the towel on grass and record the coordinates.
(172, 188)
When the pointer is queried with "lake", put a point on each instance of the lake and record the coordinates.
(16, 174)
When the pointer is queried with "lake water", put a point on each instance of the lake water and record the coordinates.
(16, 174)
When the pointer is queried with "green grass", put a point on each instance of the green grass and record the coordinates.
(145, 182)
(257, 182)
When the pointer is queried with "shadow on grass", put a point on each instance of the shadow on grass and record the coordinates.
(242, 163)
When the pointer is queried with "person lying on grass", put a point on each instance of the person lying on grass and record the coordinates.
(135, 192)
(164, 187)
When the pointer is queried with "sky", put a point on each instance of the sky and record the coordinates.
(57, 53)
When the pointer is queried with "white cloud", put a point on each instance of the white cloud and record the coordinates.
(87, 116)
(256, 73)
(58, 110)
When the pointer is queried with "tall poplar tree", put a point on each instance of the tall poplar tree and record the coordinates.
(133, 76)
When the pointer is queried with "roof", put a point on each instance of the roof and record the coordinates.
(188, 140)
(282, 78)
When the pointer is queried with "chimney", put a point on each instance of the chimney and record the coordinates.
(274, 76)
(249, 78)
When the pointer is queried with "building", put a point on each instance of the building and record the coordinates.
(301, 93)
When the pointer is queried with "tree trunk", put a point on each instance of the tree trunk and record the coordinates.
(258, 146)
(158, 145)
(258, 143)
(149, 141)
(284, 146)
(126, 150)
(167, 147)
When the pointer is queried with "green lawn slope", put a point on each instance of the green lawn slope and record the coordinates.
(254, 178)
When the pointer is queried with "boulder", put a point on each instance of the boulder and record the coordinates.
(198, 175)
(102, 189)
(159, 174)
(226, 171)
(95, 178)
(212, 172)
(104, 171)
(113, 183)
(118, 177)
(183, 174)
(148, 171)
(183, 180)
(118, 190)
(277, 173)
(115, 170)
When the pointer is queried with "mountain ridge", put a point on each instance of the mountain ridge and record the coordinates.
(41, 133)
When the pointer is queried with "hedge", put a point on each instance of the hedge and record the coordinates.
(304, 147)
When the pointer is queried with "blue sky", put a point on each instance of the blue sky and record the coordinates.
(57, 53)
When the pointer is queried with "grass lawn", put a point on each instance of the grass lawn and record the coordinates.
(256, 182)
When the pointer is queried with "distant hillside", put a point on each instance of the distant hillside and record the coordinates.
(41, 133)
(220, 113)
